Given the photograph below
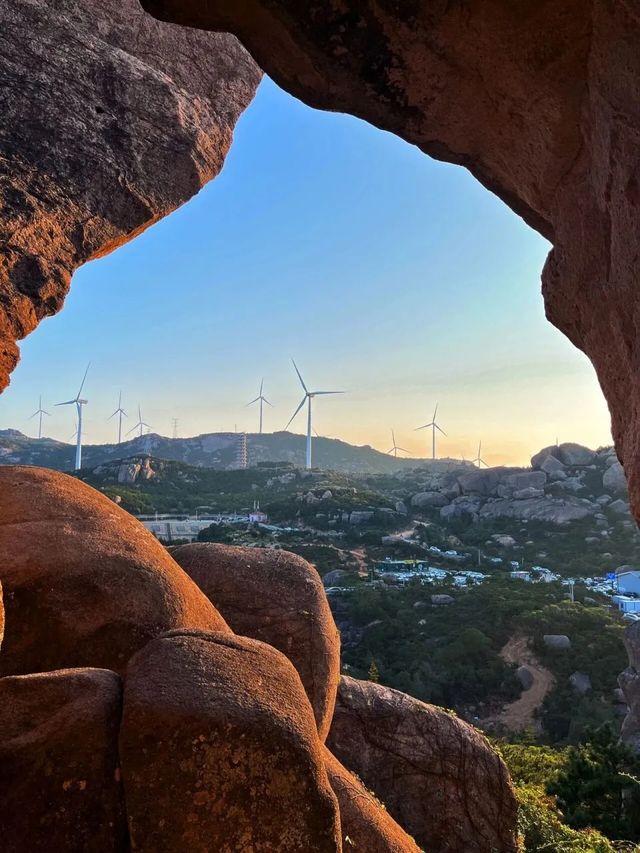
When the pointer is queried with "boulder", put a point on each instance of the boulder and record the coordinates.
(426, 500)
(219, 750)
(85, 584)
(580, 682)
(526, 480)
(336, 577)
(539, 458)
(111, 120)
(360, 516)
(619, 507)
(60, 784)
(613, 480)
(442, 598)
(575, 455)
(366, 825)
(553, 510)
(401, 508)
(527, 494)
(525, 677)
(480, 482)
(276, 597)
(559, 642)
(553, 468)
(503, 540)
(437, 776)
(462, 507)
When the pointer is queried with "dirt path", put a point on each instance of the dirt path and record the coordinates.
(358, 555)
(519, 714)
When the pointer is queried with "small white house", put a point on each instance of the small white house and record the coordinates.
(628, 581)
(627, 604)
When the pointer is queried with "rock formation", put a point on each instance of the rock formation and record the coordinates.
(629, 681)
(366, 825)
(539, 101)
(60, 784)
(110, 120)
(276, 597)
(84, 583)
(437, 776)
(219, 750)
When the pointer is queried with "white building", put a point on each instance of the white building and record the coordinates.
(627, 604)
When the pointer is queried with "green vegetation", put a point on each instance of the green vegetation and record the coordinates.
(449, 655)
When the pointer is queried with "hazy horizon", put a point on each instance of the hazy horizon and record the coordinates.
(382, 272)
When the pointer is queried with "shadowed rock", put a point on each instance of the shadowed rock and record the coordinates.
(219, 751)
(110, 120)
(60, 787)
(437, 776)
(276, 597)
(366, 825)
(84, 583)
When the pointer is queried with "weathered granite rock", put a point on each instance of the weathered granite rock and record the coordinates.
(525, 677)
(60, 784)
(219, 750)
(276, 597)
(442, 598)
(553, 510)
(580, 682)
(480, 482)
(437, 776)
(527, 494)
(366, 825)
(553, 468)
(110, 120)
(526, 480)
(573, 454)
(559, 642)
(614, 480)
(84, 583)
(619, 507)
(427, 500)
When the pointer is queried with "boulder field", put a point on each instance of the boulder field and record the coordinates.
(183, 735)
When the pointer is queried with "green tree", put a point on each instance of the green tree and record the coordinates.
(599, 786)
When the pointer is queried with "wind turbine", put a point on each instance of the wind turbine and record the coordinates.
(79, 402)
(308, 397)
(395, 447)
(479, 460)
(433, 426)
(140, 424)
(261, 399)
(121, 413)
(39, 411)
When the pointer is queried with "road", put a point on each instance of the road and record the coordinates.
(519, 715)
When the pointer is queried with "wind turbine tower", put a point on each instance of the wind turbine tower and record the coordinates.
(395, 447)
(140, 425)
(260, 399)
(433, 426)
(479, 461)
(79, 402)
(121, 413)
(308, 397)
(39, 411)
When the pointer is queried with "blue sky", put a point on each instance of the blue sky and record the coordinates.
(382, 272)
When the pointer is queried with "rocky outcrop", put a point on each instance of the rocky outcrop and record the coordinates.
(60, 784)
(437, 776)
(613, 480)
(540, 508)
(366, 825)
(219, 750)
(110, 120)
(276, 597)
(85, 584)
(424, 500)
(558, 642)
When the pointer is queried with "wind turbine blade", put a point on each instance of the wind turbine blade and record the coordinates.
(261, 385)
(306, 391)
(124, 413)
(267, 402)
(45, 413)
(113, 415)
(424, 426)
(438, 428)
(133, 428)
(317, 393)
(251, 402)
(402, 449)
(389, 452)
(34, 414)
(83, 379)
(66, 403)
(304, 400)
(435, 412)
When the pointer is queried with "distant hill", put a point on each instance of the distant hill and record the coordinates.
(212, 450)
